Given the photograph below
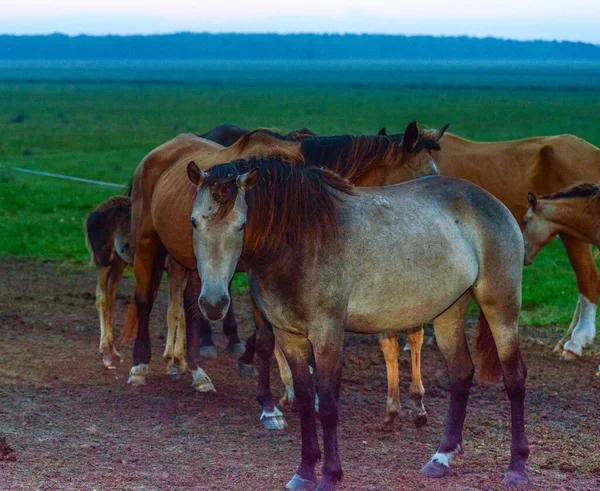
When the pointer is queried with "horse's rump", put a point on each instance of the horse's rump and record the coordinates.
(110, 218)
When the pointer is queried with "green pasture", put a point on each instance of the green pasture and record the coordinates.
(101, 131)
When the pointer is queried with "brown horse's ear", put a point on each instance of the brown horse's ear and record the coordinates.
(411, 137)
(195, 174)
(532, 200)
(382, 132)
(437, 134)
(248, 180)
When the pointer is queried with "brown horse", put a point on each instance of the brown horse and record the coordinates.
(162, 196)
(108, 236)
(572, 212)
(297, 227)
(541, 165)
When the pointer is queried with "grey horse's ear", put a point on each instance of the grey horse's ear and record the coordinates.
(382, 132)
(437, 134)
(248, 180)
(411, 137)
(532, 200)
(195, 175)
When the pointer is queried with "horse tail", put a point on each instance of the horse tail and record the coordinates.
(490, 369)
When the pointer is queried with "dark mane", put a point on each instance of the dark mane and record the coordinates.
(287, 205)
(354, 156)
(581, 190)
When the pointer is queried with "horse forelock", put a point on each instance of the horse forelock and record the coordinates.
(288, 205)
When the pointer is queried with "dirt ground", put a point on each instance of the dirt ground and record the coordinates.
(74, 425)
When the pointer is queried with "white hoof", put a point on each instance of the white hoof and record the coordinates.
(573, 348)
(273, 420)
(202, 382)
(138, 374)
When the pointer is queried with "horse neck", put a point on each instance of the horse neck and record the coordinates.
(575, 217)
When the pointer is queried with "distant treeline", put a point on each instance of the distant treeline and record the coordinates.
(285, 46)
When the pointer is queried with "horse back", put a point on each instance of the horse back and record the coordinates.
(511, 169)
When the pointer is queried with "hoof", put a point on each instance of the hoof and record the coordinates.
(326, 485)
(273, 420)
(434, 469)
(236, 348)
(389, 418)
(138, 374)
(202, 382)
(568, 355)
(246, 370)
(208, 351)
(298, 483)
(558, 348)
(289, 399)
(109, 356)
(420, 420)
(515, 478)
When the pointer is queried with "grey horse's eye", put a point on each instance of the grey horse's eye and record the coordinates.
(193, 220)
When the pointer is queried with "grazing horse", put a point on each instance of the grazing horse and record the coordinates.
(296, 228)
(572, 212)
(227, 134)
(541, 165)
(162, 199)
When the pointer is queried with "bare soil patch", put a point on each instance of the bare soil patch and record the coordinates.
(74, 425)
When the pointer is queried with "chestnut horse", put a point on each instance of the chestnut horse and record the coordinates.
(572, 212)
(541, 165)
(162, 196)
(296, 228)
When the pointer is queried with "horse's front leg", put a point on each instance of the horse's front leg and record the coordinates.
(271, 416)
(195, 321)
(234, 345)
(415, 338)
(583, 327)
(388, 342)
(328, 345)
(297, 350)
(148, 266)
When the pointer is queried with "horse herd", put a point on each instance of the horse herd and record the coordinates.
(332, 242)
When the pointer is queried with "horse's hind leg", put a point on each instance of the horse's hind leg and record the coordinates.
(584, 330)
(415, 338)
(388, 342)
(451, 339)
(502, 318)
(108, 280)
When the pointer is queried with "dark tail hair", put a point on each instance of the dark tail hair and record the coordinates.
(490, 369)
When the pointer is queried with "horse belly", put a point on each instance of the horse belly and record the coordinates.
(406, 297)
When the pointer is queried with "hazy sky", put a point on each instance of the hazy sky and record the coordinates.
(577, 20)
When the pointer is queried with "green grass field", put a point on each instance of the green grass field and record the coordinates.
(102, 130)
